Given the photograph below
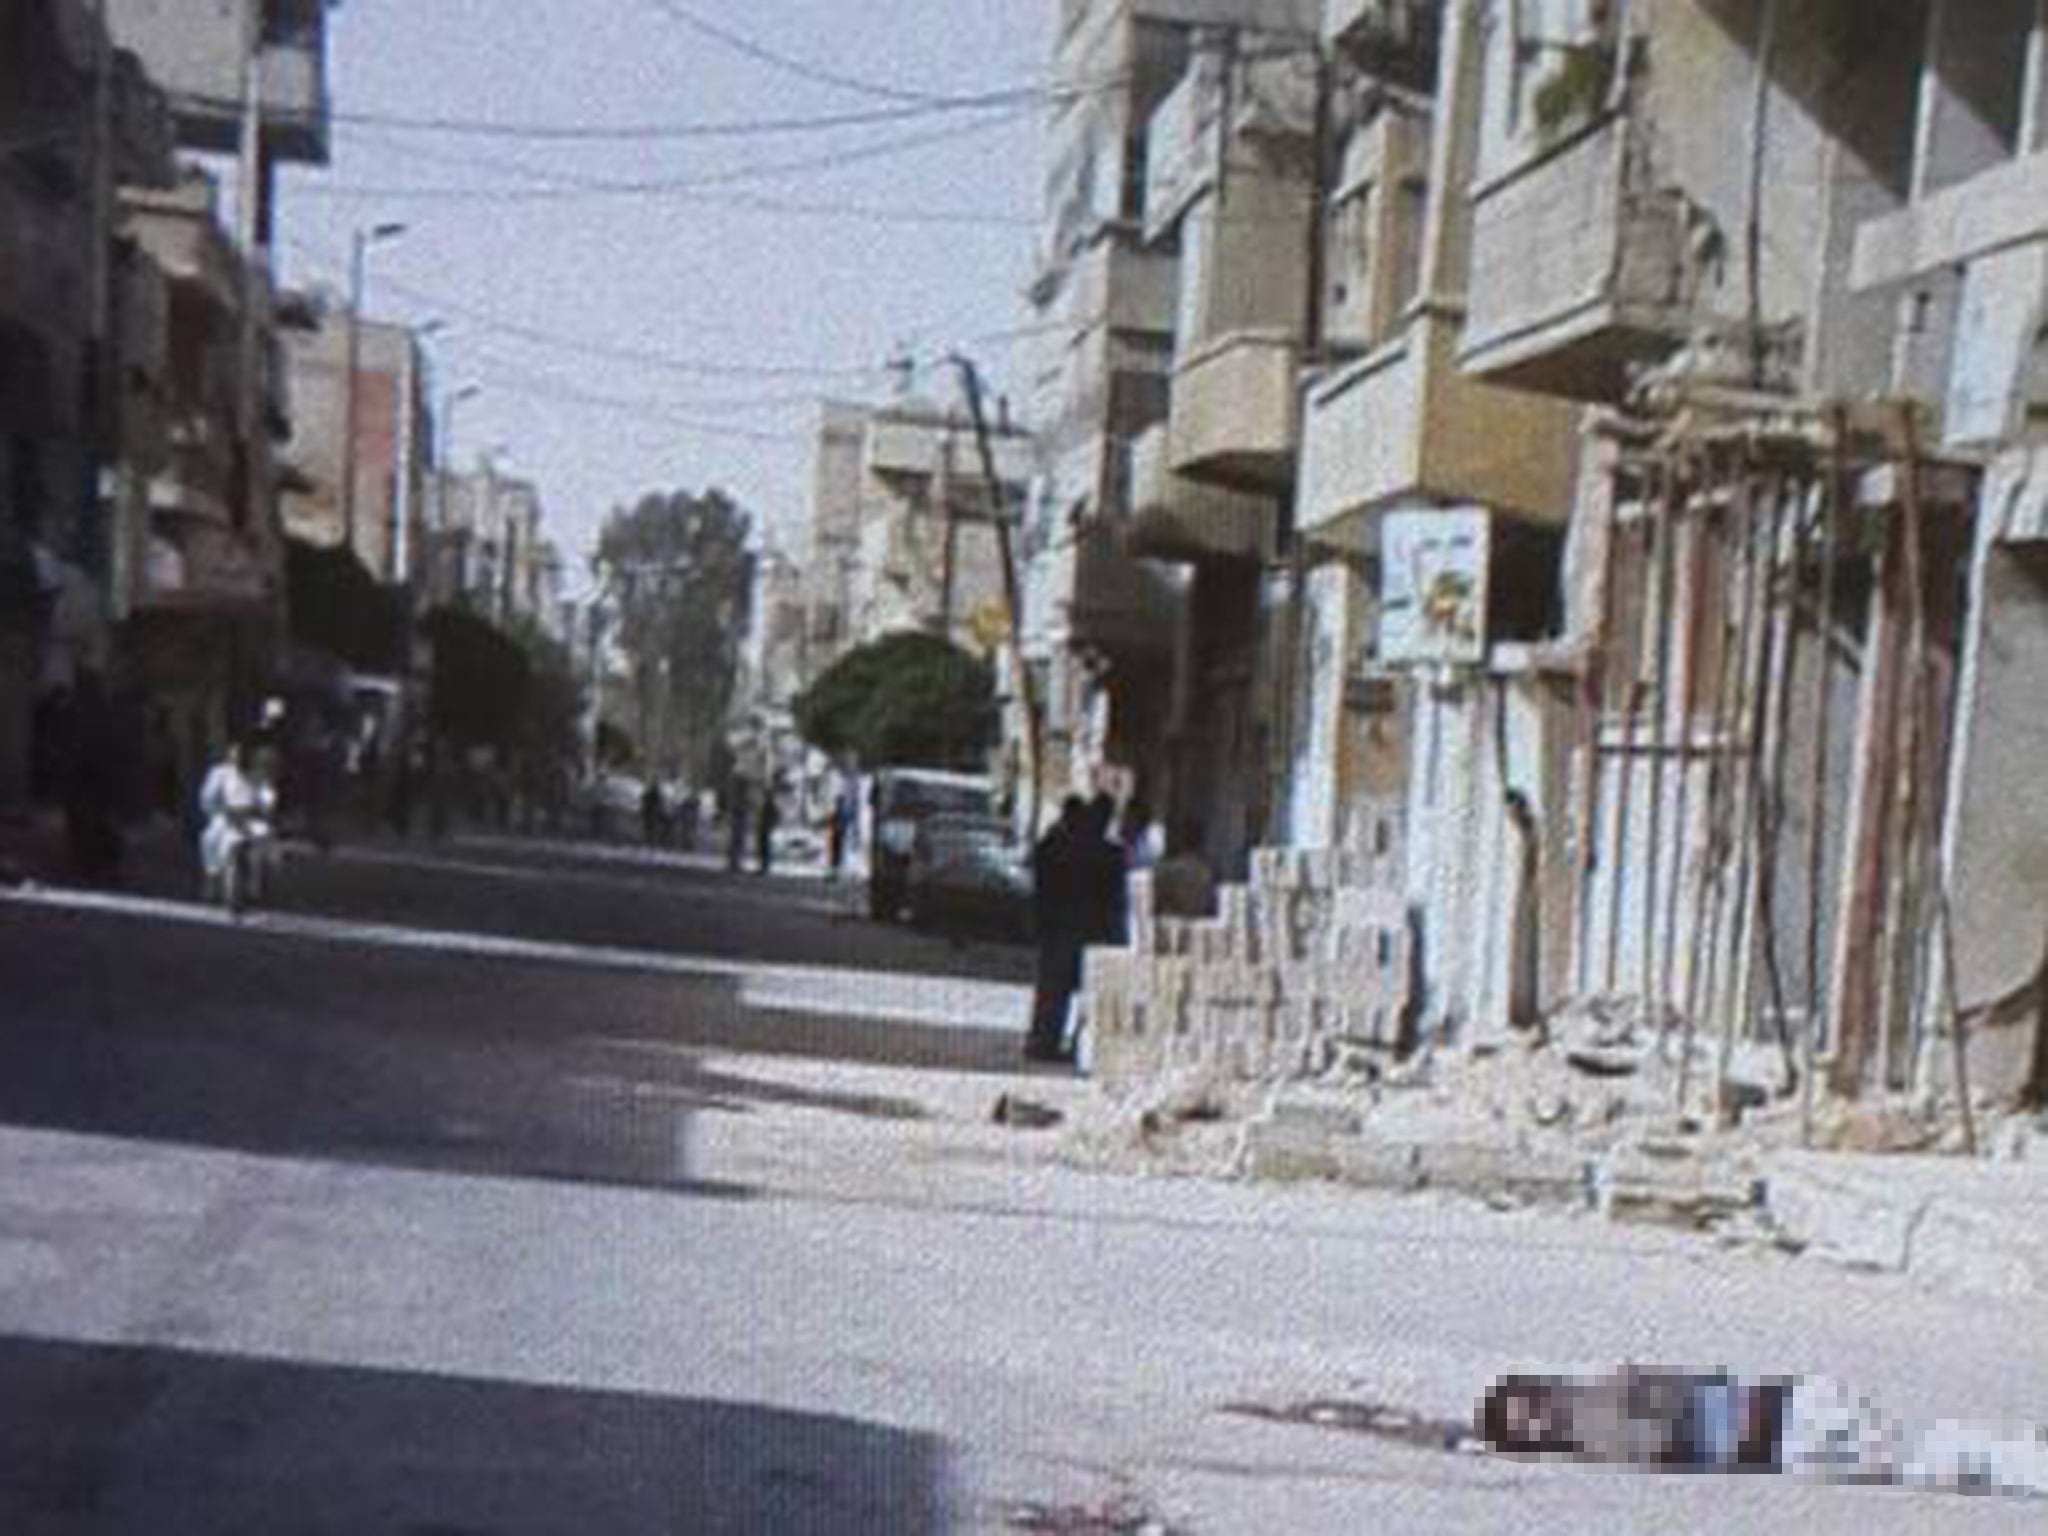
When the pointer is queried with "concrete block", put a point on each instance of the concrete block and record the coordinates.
(1839, 1216)
(1549, 1175)
(1368, 1164)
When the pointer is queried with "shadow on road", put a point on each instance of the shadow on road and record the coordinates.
(112, 1441)
(243, 1042)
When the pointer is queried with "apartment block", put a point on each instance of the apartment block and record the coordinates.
(902, 527)
(1149, 531)
(384, 521)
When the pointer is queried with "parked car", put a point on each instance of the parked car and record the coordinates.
(968, 874)
(902, 799)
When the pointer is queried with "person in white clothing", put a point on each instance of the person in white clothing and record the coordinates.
(235, 847)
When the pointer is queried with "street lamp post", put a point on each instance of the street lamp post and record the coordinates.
(350, 405)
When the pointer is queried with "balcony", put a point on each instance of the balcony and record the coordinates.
(1404, 424)
(1178, 519)
(913, 447)
(201, 570)
(1236, 411)
(1125, 289)
(1098, 596)
(197, 60)
(1577, 275)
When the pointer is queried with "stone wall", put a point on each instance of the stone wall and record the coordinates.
(1315, 955)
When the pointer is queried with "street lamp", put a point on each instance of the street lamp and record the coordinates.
(364, 239)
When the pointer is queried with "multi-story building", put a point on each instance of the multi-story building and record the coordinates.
(216, 60)
(1668, 512)
(48, 226)
(198, 580)
(385, 519)
(487, 549)
(901, 533)
(1120, 641)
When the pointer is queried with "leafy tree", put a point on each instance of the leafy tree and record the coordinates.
(906, 700)
(682, 576)
(481, 680)
(337, 607)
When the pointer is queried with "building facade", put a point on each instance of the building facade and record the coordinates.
(1663, 527)
(384, 521)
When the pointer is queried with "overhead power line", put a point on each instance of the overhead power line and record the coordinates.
(485, 320)
(644, 133)
(874, 213)
(802, 69)
(567, 187)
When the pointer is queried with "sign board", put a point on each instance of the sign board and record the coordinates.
(1434, 572)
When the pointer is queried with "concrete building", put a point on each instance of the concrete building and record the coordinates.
(1118, 639)
(394, 445)
(1668, 501)
(901, 532)
(214, 58)
(198, 579)
(489, 551)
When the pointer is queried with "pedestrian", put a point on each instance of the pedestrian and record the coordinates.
(737, 818)
(839, 834)
(1715, 1421)
(1055, 905)
(1105, 877)
(653, 815)
(766, 824)
(688, 812)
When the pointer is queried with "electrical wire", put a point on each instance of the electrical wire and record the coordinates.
(873, 213)
(566, 187)
(649, 133)
(540, 336)
(802, 69)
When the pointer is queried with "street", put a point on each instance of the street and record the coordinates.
(310, 1229)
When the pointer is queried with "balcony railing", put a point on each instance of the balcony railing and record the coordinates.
(1577, 269)
(1236, 411)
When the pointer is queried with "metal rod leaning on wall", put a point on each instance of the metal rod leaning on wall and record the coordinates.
(1767, 517)
(1594, 687)
(1624, 761)
(1832, 495)
(1664, 511)
(1923, 715)
(1698, 530)
(1771, 788)
(1702, 984)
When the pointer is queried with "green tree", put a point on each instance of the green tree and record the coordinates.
(681, 574)
(906, 700)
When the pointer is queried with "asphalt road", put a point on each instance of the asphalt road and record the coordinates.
(301, 1232)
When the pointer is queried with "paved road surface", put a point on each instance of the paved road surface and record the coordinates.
(305, 1235)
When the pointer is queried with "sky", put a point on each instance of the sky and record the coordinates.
(649, 312)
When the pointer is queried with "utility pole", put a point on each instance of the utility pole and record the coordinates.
(1027, 685)
(103, 399)
(942, 493)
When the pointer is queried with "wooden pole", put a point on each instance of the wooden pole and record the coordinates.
(1823, 728)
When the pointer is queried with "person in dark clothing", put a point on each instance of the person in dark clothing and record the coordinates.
(1105, 875)
(738, 817)
(765, 827)
(653, 815)
(1056, 875)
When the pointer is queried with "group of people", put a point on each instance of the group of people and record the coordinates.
(1080, 878)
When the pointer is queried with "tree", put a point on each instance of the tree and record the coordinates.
(906, 700)
(337, 607)
(682, 577)
(481, 681)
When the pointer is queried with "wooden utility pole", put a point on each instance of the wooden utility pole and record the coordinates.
(1027, 685)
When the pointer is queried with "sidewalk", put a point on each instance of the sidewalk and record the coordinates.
(155, 859)
(1960, 1224)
